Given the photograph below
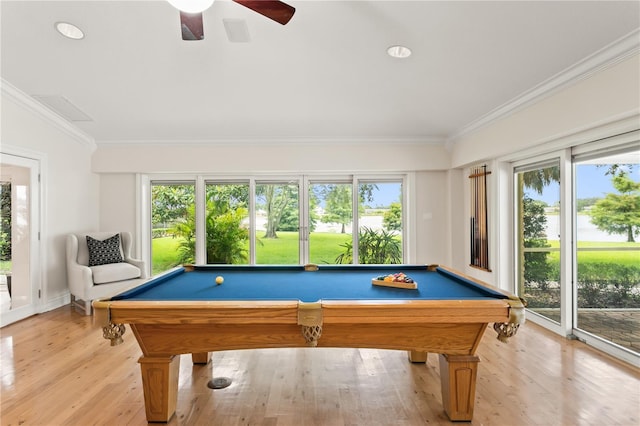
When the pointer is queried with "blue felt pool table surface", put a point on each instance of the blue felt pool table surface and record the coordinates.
(329, 282)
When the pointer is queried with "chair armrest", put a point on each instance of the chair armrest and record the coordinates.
(140, 264)
(80, 279)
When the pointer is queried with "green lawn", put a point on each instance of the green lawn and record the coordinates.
(164, 253)
(621, 257)
(325, 247)
(5, 265)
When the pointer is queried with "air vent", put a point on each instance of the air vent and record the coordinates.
(63, 107)
(237, 30)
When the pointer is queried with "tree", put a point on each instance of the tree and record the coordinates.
(339, 202)
(392, 218)
(169, 203)
(536, 268)
(225, 236)
(583, 203)
(338, 208)
(536, 180)
(278, 198)
(539, 178)
(619, 213)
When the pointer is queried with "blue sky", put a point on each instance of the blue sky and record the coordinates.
(591, 181)
(386, 194)
(590, 178)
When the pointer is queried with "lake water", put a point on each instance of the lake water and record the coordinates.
(585, 229)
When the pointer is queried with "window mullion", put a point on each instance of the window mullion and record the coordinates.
(303, 222)
(201, 238)
(252, 221)
(355, 193)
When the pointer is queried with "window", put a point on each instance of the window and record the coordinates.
(289, 220)
(577, 257)
(227, 223)
(380, 222)
(538, 237)
(330, 220)
(277, 222)
(607, 254)
(173, 224)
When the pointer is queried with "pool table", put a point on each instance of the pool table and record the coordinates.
(186, 311)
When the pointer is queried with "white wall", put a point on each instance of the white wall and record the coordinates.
(118, 203)
(604, 104)
(432, 218)
(118, 165)
(69, 188)
(609, 95)
(269, 157)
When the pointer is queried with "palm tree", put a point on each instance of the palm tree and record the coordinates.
(225, 235)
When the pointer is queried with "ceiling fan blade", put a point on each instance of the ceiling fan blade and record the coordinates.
(191, 25)
(272, 9)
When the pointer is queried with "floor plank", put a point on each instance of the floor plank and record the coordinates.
(57, 370)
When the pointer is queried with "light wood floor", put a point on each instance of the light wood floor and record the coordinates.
(58, 370)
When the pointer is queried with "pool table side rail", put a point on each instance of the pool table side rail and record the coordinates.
(507, 294)
(282, 312)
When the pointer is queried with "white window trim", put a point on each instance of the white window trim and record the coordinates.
(143, 214)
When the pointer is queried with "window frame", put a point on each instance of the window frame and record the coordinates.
(592, 141)
(200, 180)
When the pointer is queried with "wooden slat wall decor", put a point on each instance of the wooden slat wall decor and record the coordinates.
(479, 222)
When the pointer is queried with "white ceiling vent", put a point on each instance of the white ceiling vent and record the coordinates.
(63, 107)
(237, 30)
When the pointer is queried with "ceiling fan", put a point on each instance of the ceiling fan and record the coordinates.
(191, 13)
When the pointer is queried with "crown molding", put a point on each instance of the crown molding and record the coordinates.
(12, 93)
(436, 141)
(602, 59)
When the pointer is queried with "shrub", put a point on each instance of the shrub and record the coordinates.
(608, 285)
(374, 247)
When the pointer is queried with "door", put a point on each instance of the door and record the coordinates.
(19, 233)
(607, 250)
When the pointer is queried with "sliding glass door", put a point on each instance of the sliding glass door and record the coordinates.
(577, 239)
(607, 217)
(538, 237)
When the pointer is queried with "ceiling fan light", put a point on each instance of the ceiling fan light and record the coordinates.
(191, 6)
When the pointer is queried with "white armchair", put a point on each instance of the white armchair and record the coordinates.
(108, 276)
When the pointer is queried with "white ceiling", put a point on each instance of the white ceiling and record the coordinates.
(324, 76)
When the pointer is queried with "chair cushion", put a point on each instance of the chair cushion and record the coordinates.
(105, 251)
(111, 272)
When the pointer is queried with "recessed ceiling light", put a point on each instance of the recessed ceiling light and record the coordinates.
(399, 52)
(191, 6)
(69, 30)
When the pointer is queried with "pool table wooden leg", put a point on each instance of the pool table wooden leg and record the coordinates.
(201, 358)
(417, 356)
(458, 378)
(160, 386)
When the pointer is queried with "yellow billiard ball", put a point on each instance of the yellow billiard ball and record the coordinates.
(219, 280)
